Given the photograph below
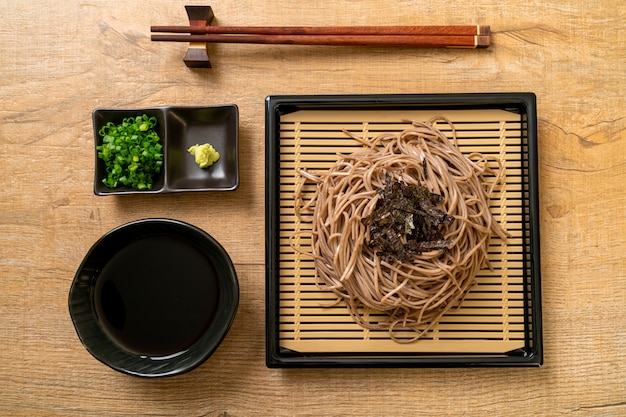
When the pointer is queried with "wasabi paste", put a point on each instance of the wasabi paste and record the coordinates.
(205, 155)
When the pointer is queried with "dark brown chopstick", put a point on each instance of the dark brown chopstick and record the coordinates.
(466, 30)
(407, 41)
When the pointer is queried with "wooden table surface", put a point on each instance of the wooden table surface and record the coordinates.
(61, 60)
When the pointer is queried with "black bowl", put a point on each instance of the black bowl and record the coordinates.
(154, 297)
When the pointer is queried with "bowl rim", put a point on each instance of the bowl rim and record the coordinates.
(104, 349)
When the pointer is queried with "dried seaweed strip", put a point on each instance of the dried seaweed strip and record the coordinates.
(406, 221)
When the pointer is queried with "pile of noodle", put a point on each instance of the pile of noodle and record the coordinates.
(389, 294)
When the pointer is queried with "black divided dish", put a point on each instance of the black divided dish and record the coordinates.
(179, 128)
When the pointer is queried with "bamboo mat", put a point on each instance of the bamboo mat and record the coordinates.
(493, 317)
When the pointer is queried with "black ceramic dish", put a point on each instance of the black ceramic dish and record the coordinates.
(154, 297)
(179, 128)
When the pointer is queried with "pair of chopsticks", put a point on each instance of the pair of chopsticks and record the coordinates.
(476, 36)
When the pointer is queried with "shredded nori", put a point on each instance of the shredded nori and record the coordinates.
(406, 221)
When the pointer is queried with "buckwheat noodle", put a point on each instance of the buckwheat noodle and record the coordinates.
(389, 294)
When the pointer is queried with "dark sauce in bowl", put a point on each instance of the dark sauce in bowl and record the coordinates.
(156, 296)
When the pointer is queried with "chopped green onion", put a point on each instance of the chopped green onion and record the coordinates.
(131, 151)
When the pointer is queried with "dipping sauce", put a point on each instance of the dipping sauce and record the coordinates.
(156, 296)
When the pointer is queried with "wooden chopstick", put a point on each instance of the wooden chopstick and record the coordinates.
(407, 41)
(466, 30)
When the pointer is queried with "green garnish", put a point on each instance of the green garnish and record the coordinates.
(132, 152)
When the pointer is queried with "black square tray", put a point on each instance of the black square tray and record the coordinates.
(499, 323)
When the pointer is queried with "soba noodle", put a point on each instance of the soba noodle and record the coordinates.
(388, 294)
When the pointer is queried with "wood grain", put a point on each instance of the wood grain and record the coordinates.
(99, 54)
